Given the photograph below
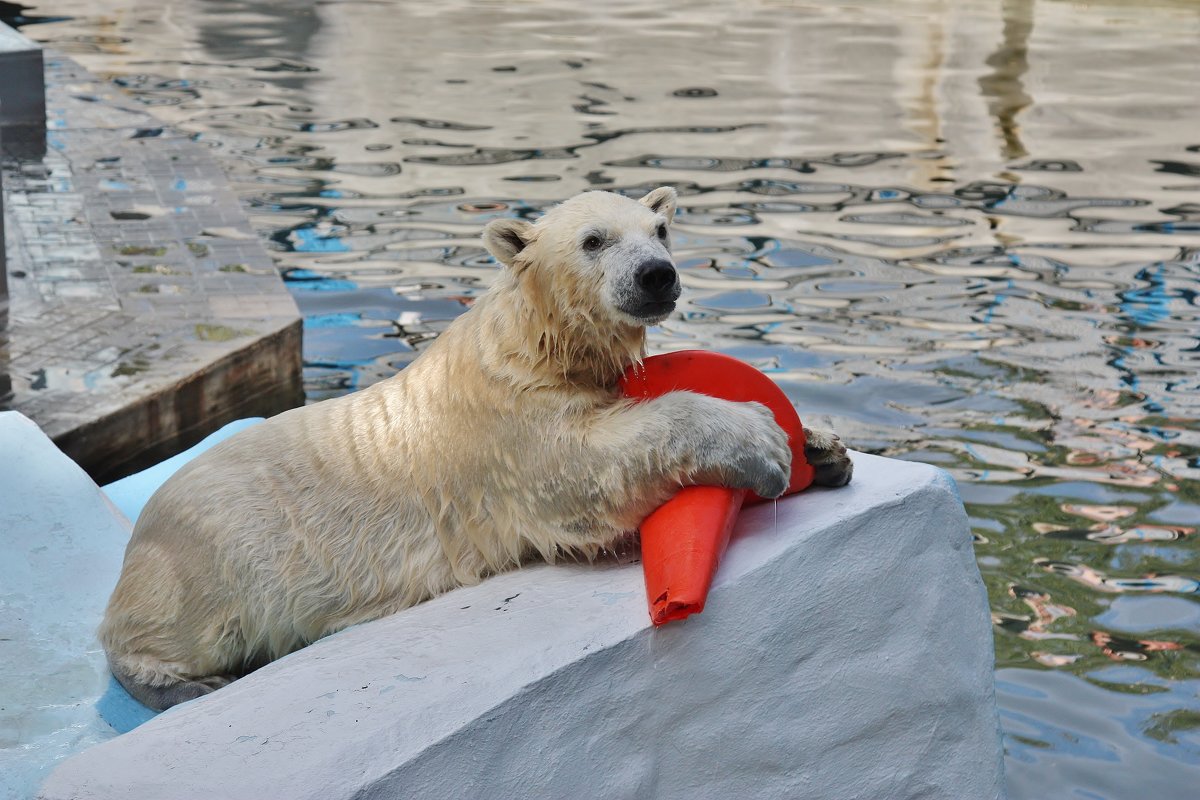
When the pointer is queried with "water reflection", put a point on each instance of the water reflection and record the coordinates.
(276, 35)
(964, 232)
(1003, 87)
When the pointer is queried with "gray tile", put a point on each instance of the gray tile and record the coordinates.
(114, 316)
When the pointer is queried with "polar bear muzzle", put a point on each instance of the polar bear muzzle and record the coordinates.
(656, 288)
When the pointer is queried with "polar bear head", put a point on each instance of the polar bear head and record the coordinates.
(599, 261)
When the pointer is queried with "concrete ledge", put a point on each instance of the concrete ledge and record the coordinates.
(22, 93)
(259, 379)
(845, 652)
(5, 381)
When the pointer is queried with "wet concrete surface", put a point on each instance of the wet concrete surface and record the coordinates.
(143, 311)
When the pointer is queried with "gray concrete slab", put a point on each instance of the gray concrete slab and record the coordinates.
(22, 92)
(144, 312)
(5, 381)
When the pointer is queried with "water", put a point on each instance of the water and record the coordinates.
(966, 233)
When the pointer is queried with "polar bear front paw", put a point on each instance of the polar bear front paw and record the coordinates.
(828, 457)
(763, 460)
(764, 477)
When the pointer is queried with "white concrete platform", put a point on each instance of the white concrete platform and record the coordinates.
(61, 546)
(845, 652)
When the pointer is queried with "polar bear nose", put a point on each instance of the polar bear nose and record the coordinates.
(656, 277)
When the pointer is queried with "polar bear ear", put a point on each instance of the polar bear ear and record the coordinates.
(661, 200)
(505, 238)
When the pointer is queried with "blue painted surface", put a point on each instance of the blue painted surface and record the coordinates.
(120, 710)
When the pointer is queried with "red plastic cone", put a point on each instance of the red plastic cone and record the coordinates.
(684, 539)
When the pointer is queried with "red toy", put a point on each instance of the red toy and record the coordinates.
(684, 539)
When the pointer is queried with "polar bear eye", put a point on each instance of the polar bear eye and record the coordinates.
(592, 243)
(662, 231)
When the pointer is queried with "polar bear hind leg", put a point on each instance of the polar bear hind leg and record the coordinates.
(160, 689)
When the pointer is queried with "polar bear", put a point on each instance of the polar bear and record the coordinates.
(506, 440)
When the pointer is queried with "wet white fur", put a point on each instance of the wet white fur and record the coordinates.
(506, 440)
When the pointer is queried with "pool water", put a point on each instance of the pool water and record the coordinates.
(965, 233)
